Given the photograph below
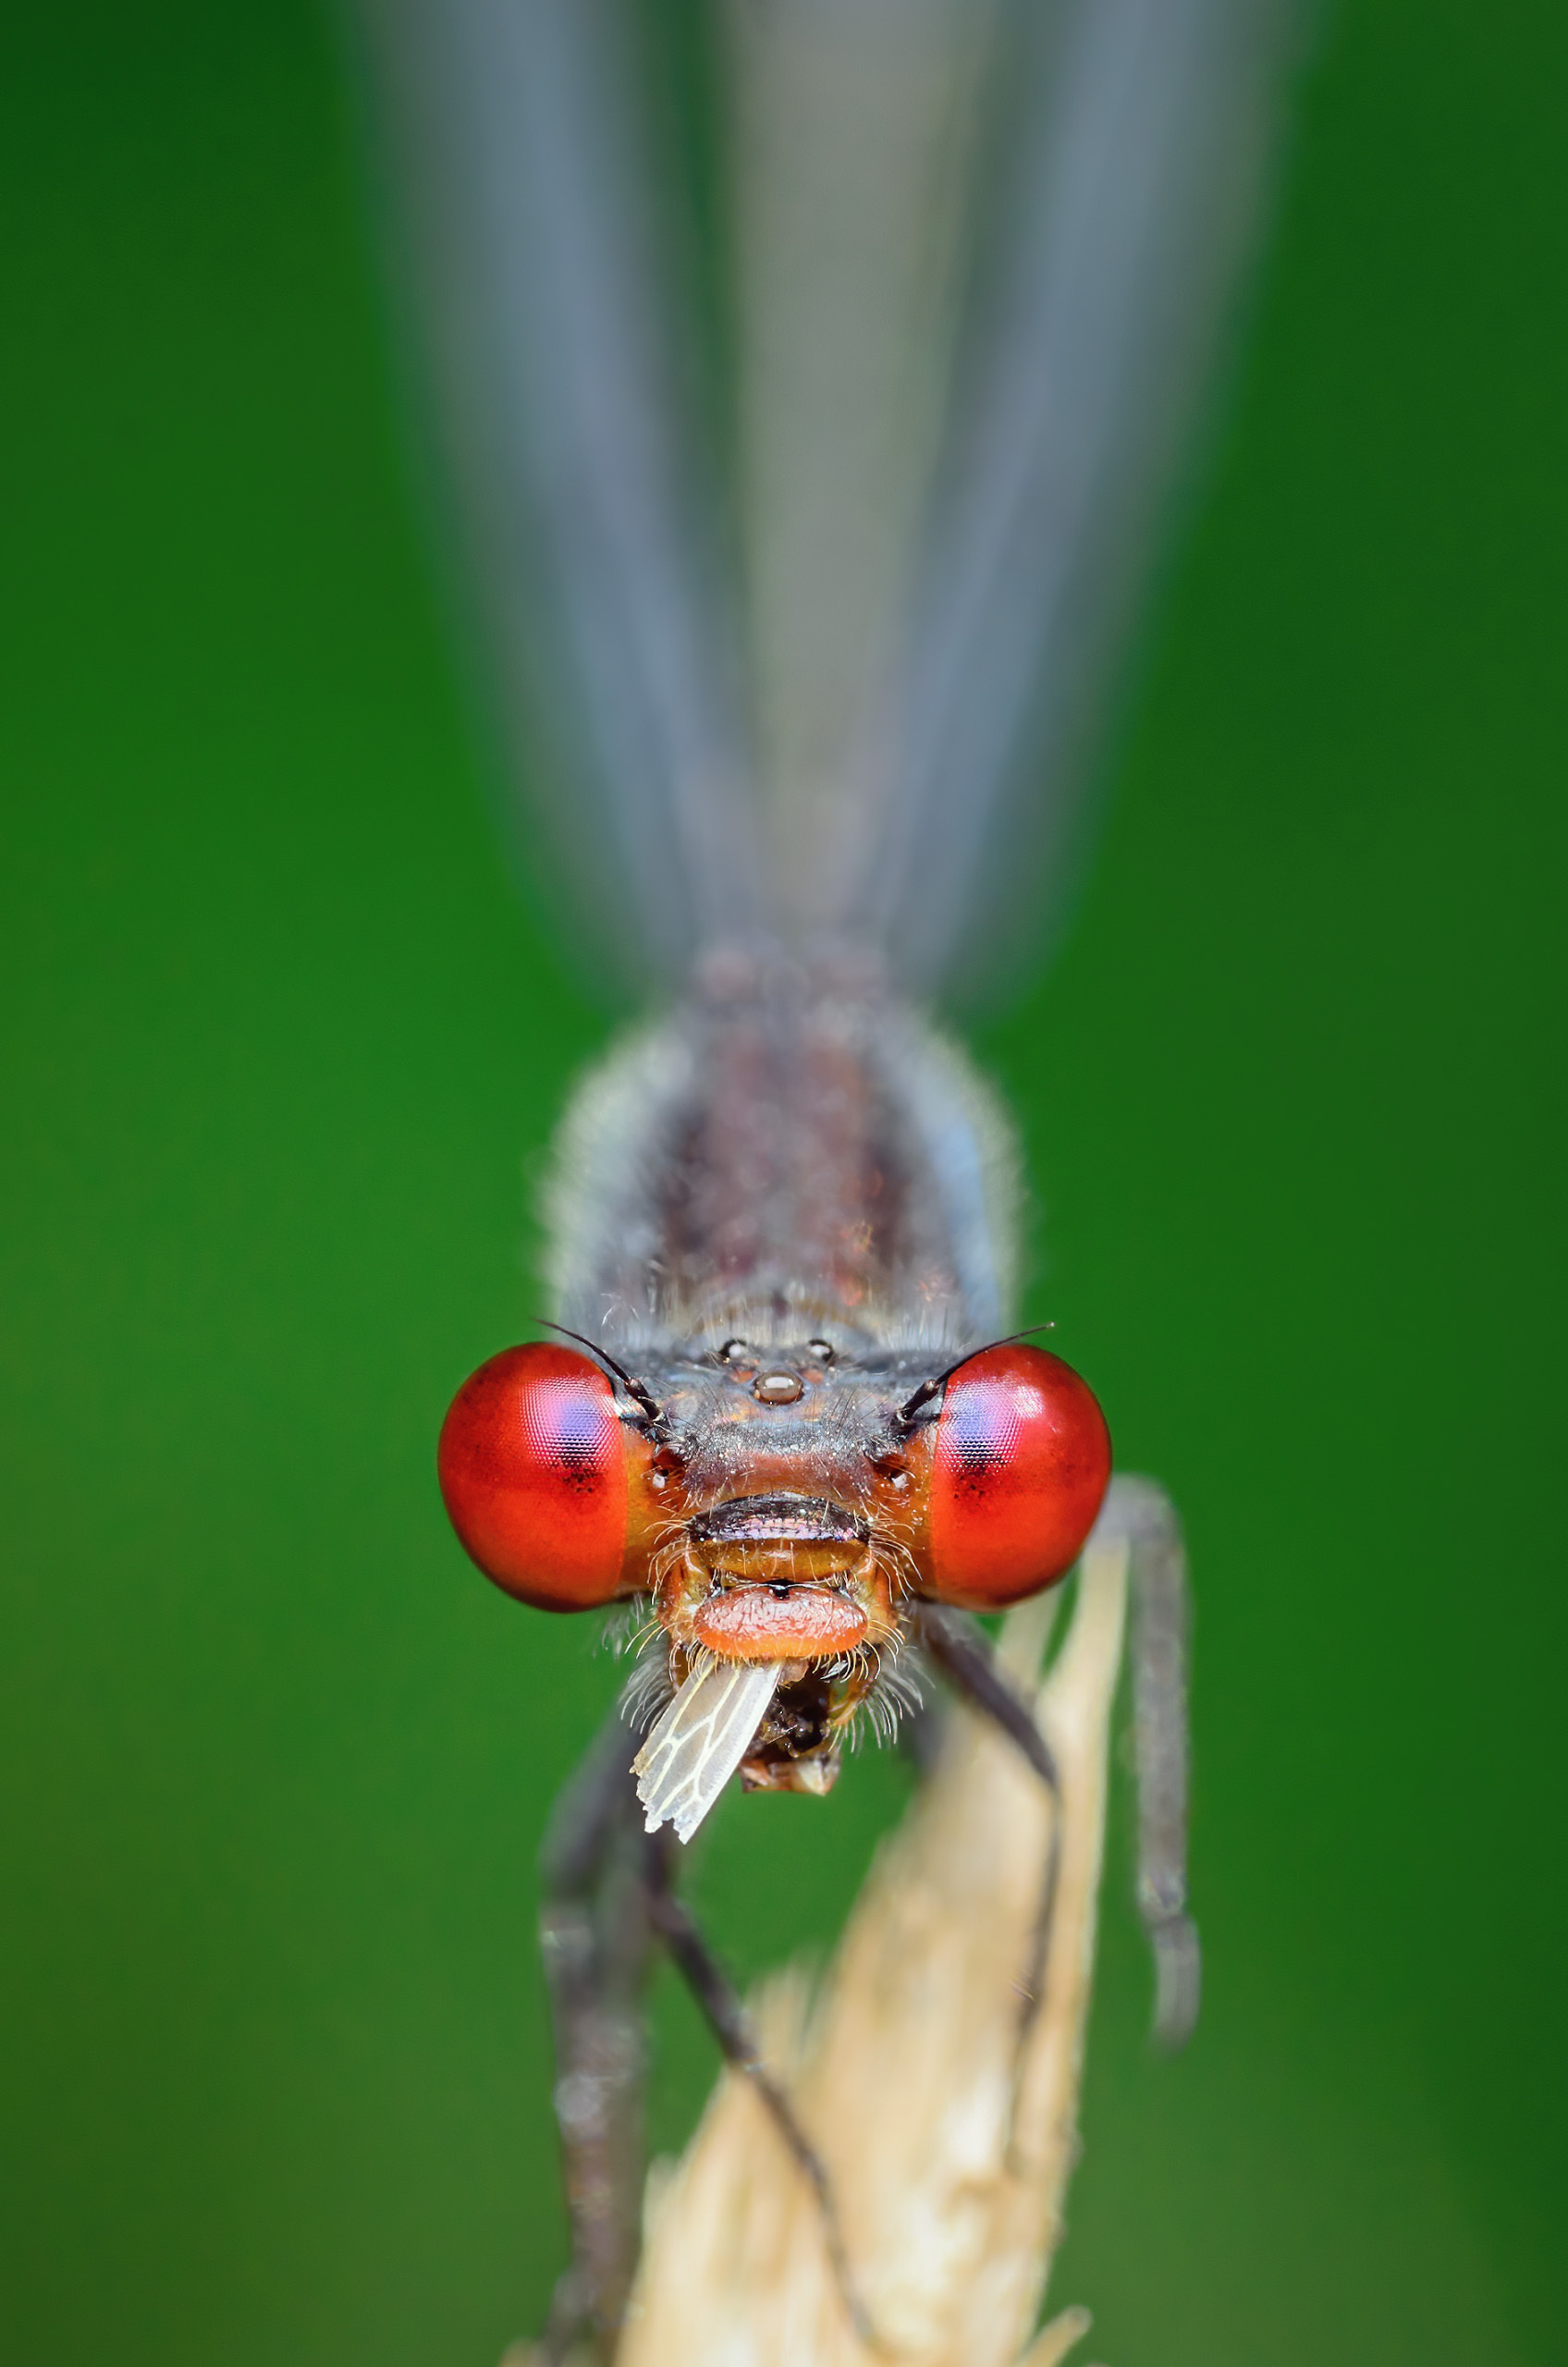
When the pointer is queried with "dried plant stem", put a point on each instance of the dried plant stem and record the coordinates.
(949, 2151)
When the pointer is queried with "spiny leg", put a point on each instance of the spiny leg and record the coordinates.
(963, 1654)
(595, 1937)
(1139, 1515)
(608, 1897)
(725, 2016)
(1142, 1512)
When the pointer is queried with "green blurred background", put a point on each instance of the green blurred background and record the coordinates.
(280, 1046)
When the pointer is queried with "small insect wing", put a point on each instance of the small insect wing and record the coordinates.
(701, 1740)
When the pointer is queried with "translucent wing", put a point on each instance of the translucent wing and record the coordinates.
(520, 153)
(701, 1739)
(977, 251)
(990, 249)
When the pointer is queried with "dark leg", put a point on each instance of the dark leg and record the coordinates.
(960, 1650)
(597, 1937)
(1139, 1514)
(962, 1653)
(727, 2017)
(608, 1900)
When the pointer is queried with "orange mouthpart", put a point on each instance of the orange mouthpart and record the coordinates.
(754, 1624)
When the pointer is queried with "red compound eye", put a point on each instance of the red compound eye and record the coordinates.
(535, 1469)
(1020, 1464)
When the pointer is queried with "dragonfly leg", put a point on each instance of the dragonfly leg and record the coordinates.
(963, 1655)
(595, 1936)
(1139, 1514)
(725, 2013)
(1142, 1512)
(610, 1898)
(962, 1652)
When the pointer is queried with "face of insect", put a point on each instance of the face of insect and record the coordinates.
(784, 1508)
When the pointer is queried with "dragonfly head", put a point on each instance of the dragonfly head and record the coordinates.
(776, 1516)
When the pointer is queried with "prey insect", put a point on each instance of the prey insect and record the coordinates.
(798, 602)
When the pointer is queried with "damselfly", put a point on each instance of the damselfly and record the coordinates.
(805, 534)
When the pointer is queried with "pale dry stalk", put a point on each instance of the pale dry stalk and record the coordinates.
(949, 2153)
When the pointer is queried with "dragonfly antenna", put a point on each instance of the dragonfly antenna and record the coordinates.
(927, 1389)
(638, 1391)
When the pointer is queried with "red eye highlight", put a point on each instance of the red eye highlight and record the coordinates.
(1020, 1464)
(535, 1469)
